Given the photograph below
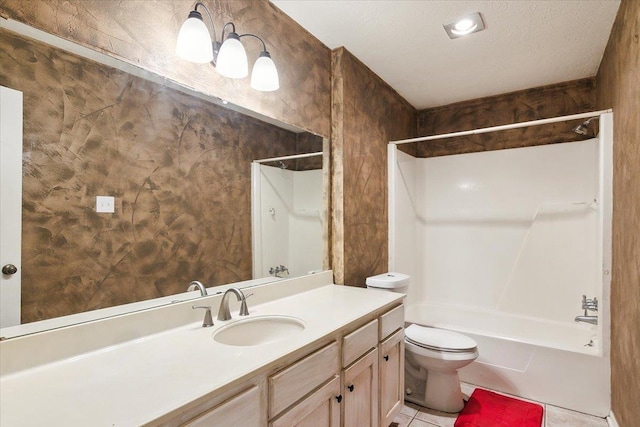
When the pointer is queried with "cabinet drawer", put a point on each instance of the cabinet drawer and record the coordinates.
(290, 385)
(391, 321)
(359, 342)
(242, 410)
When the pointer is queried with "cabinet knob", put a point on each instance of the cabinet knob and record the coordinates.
(386, 357)
(339, 398)
(351, 387)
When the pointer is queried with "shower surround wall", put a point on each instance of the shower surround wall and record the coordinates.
(513, 231)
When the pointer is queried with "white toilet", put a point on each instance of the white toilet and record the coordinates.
(432, 356)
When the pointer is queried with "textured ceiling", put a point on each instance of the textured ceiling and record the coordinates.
(525, 44)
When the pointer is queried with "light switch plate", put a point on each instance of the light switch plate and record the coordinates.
(105, 204)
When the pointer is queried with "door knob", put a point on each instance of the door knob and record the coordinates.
(351, 387)
(9, 269)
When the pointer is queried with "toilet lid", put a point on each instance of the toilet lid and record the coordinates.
(439, 339)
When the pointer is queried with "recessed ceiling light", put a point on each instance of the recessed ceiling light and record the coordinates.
(466, 25)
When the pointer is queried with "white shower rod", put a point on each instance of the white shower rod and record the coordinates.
(293, 156)
(503, 127)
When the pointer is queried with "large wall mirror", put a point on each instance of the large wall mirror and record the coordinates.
(178, 165)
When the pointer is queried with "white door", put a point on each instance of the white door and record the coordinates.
(10, 205)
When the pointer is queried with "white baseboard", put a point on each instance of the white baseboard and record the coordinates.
(611, 420)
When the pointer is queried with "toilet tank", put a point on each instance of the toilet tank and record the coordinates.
(394, 282)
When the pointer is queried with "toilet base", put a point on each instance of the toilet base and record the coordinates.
(442, 392)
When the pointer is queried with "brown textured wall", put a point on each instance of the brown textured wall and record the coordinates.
(308, 143)
(178, 166)
(369, 113)
(144, 33)
(532, 104)
(618, 87)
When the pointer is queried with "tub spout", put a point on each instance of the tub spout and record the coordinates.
(587, 319)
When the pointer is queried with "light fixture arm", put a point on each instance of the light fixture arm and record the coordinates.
(213, 27)
(233, 30)
(216, 45)
(264, 46)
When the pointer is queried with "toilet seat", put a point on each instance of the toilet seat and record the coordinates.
(439, 340)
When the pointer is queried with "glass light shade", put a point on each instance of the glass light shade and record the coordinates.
(232, 58)
(264, 76)
(194, 41)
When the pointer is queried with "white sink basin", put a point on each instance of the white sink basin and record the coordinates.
(258, 330)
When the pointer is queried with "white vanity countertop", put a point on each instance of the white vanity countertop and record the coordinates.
(139, 381)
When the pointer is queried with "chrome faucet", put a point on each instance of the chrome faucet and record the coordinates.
(588, 305)
(208, 320)
(223, 311)
(197, 285)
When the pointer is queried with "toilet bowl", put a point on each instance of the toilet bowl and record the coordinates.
(432, 356)
(438, 354)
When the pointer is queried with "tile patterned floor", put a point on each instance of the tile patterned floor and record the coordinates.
(415, 416)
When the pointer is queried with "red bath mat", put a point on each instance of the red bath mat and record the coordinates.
(489, 409)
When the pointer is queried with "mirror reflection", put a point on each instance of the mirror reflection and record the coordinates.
(287, 215)
(178, 167)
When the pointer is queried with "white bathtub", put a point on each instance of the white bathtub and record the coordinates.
(536, 359)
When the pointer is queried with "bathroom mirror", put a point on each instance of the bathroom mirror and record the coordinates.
(177, 164)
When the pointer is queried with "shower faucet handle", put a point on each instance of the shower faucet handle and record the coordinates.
(589, 304)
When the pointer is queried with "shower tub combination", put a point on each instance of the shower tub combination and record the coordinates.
(552, 362)
(501, 246)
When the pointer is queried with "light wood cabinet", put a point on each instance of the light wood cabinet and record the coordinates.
(246, 409)
(320, 409)
(294, 382)
(360, 392)
(391, 369)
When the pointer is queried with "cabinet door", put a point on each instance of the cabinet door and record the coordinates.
(296, 381)
(361, 392)
(391, 377)
(320, 409)
(246, 409)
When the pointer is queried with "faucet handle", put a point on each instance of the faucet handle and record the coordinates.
(208, 320)
(244, 311)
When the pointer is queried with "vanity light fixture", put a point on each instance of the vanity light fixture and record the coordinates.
(464, 26)
(228, 55)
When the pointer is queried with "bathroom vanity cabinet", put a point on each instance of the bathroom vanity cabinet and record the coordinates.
(354, 380)
(160, 367)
